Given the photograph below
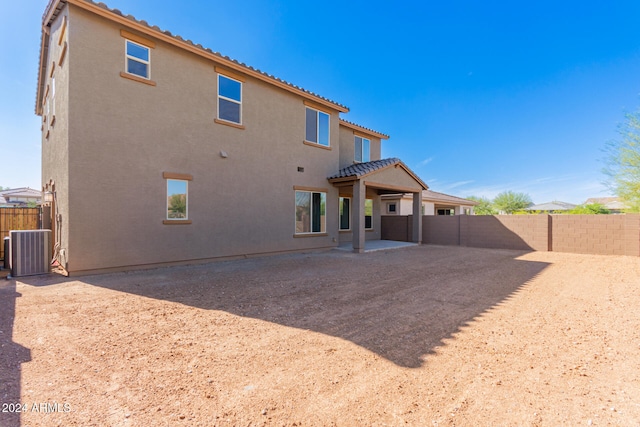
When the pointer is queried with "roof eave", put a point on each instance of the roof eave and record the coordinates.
(363, 129)
(219, 59)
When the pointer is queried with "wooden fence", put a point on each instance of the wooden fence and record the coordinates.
(17, 219)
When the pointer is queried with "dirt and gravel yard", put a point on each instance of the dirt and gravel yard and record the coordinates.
(420, 336)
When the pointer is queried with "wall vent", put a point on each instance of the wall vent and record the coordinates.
(30, 252)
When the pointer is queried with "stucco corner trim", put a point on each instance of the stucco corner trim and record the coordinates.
(137, 79)
(63, 54)
(317, 106)
(316, 189)
(227, 73)
(176, 221)
(314, 144)
(226, 123)
(138, 39)
(311, 235)
(173, 175)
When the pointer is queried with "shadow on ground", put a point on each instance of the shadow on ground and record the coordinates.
(12, 356)
(401, 304)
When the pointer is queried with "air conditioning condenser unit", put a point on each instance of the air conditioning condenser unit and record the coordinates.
(30, 252)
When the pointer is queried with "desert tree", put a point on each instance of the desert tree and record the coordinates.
(623, 162)
(510, 202)
(484, 207)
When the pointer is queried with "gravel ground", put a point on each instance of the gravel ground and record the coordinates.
(423, 336)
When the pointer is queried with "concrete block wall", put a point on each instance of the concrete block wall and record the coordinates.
(395, 227)
(589, 234)
(505, 232)
(441, 229)
(596, 234)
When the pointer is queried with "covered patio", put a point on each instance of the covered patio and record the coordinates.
(386, 176)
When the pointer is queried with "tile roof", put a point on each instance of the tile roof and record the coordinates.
(360, 170)
(551, 206)
(59, 4)
(363, 129)
(441, 197)
(608, 202)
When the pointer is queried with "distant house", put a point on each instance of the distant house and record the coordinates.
(613, 204)
(552, 207)
(18, 197)
(433, 203)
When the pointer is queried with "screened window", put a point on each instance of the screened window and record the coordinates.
(317, 127)
(362, 149)
(345, 213)
(177, 200)
(229, 99)
(310, 212)
(138, 59)
(368, 214)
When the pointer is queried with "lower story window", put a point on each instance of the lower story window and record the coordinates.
(345, 213)
(368, 214)
(310, 212)
(391, 208)
(177, 199)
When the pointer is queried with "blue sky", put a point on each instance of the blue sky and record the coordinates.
(478, 97)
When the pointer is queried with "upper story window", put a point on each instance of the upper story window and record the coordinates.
(317, 127)
(229, 99)
(362, 149)
(138, 59)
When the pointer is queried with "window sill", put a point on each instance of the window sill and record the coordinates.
(314, 144)
(311, 235)
(344, 231)
(232, 124)
(176, 221)
(137, 79)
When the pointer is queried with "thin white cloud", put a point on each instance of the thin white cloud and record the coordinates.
(426, 161)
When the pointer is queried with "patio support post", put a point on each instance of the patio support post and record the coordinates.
(417, 218)
(357, 215)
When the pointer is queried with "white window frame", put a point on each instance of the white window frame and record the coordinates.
(349, 217)
(186, 200)
(317, 141)
(361, 153)
(230, 99)
(135, 58)
(323, 225)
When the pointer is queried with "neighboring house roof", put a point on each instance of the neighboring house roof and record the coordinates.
(441, 197)
(551, 206)
(21, 192)
(55, 6)
(608, 202)
(434, 196)
(361, 170)
(363, 129)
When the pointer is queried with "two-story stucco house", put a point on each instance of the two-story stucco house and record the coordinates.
(158, 151)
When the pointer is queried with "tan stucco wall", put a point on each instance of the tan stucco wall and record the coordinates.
(55, 160)
(125, 134)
